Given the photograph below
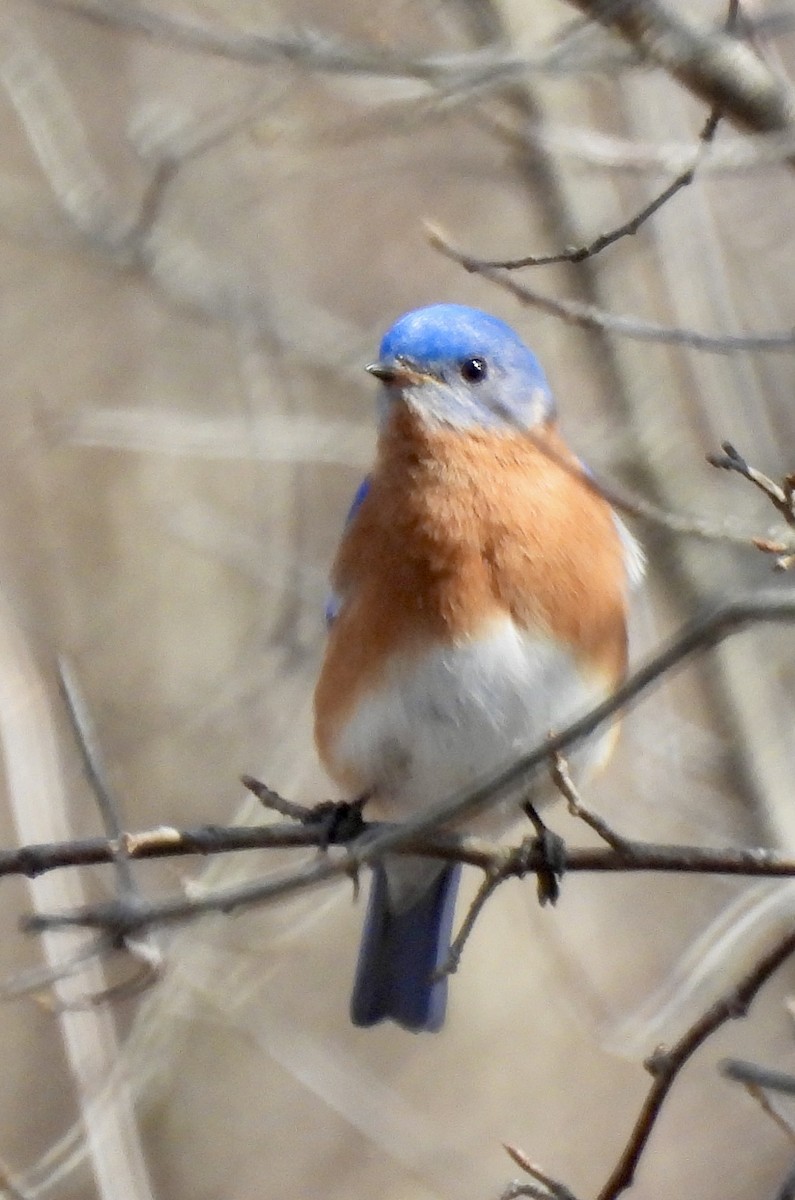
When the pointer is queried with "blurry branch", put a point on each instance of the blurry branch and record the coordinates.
(146, 955)
(758, 1081)
(38, 800)
(700, 634)
(89, 201)
(590, 317)
(57, 136)
(7, 1185)
(665, 1065)
(711, 64)
(40, 981)
(750, 1073)
(592, 148)
(750, 93)
(581, 47)
(93, 766)
(321, 51)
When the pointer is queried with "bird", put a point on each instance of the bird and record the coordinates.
(479, 600)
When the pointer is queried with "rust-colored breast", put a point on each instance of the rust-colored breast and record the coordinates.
(459, 528)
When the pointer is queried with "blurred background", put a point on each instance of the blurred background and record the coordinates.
(203, 239)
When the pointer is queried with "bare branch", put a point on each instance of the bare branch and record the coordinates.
(162, 842)
(167, 842)
(492, 65)
(318, 50)
(601, 151)
(666, 1065)
(701, 634)
(578, 254)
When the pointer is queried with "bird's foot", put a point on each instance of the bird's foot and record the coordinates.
(339, 820)
(552, 849)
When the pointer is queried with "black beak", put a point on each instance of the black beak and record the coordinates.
(383, 372)
(400, 373)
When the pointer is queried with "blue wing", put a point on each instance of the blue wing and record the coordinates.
(333, 602)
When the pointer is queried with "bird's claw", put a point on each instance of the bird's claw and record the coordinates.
(552, 849)
(339, 820)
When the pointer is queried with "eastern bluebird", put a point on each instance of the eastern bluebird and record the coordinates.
(480, 598)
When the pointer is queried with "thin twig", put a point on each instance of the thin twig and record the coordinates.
(148, 969)
(781, 496)
(578, 254)
(275, 802)
(769, 1109)
(492, 879)
(559, 770)
(553, 1187)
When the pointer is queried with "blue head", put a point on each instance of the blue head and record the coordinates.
(460, 367)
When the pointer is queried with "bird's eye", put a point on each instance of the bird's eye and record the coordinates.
(473, 370)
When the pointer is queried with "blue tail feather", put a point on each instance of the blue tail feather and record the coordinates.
(400, 952)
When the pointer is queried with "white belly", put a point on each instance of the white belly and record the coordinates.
(438, 725)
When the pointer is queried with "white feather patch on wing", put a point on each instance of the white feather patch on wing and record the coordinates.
(634, 555)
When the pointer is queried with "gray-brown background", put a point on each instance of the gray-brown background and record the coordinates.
(184, 419)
